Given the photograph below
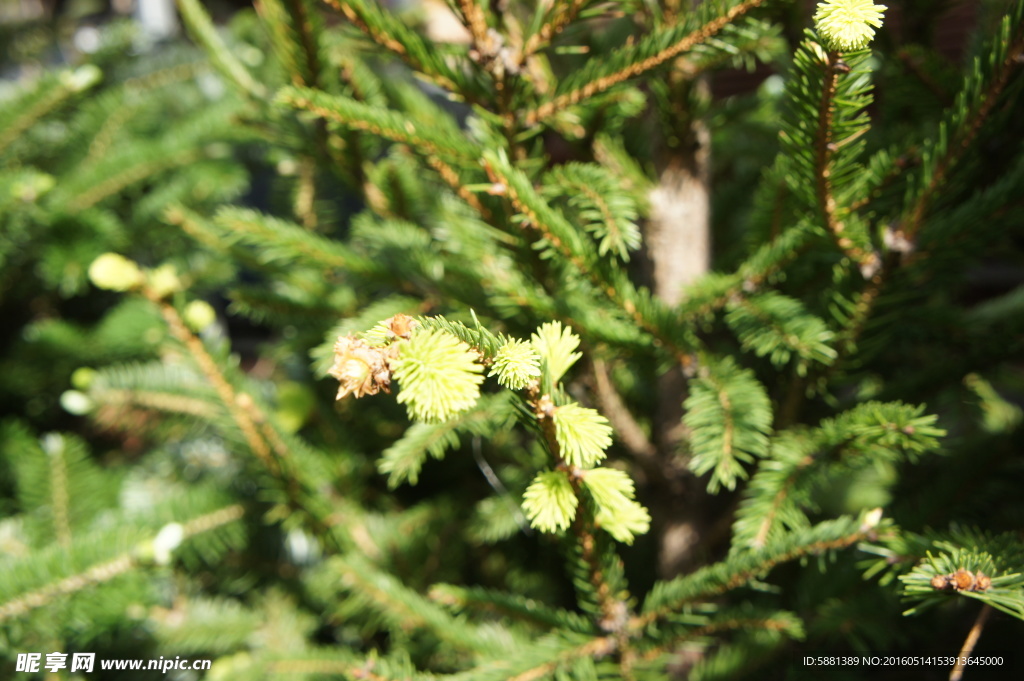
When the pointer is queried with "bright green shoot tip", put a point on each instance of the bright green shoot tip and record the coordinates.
(848, 25)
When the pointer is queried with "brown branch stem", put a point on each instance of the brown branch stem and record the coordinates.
(972, 639)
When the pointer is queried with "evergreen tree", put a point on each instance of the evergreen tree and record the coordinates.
(351, 341)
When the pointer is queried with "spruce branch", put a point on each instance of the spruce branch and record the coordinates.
(478, 599)
(729, 416)
(110, 569)
(397, 127)
(279, 241)
(602, 588)
(452, 179)
(607, 211)
(263, 440)
(976, 103)
(475, 19)
(557, 233)
(560, 15)
(650, 52)
(775, 622)
(225, 392)
(825, 147)
(833, 91)
(668, 597)
(44, 97)
(202, 29)
(402, 607)
(403, 460)
(972, 639)
(387, 31)
(55, 448)
(965, 572)
(143, 169)
(126, 99)
(295, 32)
(780, 327)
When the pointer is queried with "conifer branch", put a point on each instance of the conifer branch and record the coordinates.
(476, 21)
(262, 439)
(59, 497)
(391, 125)
(302, 25)
(824, 147)
(402, 607)
(556, 231)
(524, 609)
(646, 62)
(594, 648)
(453, 180)
(128, 93)
(613, 608)
(149, 167)
(385, 30)
(227, 394)
(966, 120)
(562, 14)
(784, 623)
(104, 572)
(47, 95)
(153, 399)
(972, 639)
(97, 574)
(202, 29)
(296, 37)
(710, 581)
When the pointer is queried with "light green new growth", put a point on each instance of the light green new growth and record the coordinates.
(549, 502)
(618, 513)
(115, 272)
(848, 25)
(626, 522)
(439, 375)
(556, 343)
(582, 435)
(516, 364)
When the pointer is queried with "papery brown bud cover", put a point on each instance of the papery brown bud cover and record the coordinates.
(401, 325)
(963, 579)
(362, 369)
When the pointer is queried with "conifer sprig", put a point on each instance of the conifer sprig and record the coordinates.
(389, 32)
(977, 101)
(668, 597)
(391, 125)
(202, 29)
(649, 52)
(730, 416)
(138, 555)
(832, 90)
(41, 98)
(609, 212)
(559, 15)
(295, 30)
